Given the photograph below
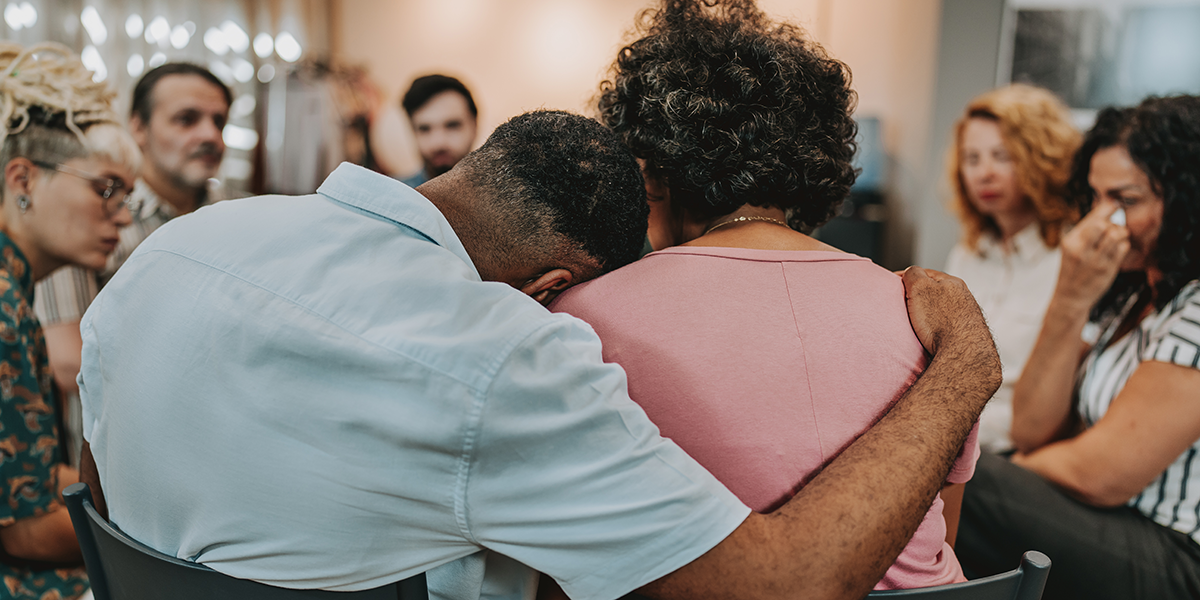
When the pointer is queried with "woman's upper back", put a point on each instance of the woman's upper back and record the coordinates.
(763, 365)
(720, 343)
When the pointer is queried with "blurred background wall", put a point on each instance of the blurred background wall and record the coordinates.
(319, 81)
(519, 55)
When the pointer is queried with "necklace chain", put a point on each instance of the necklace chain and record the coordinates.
(745, 219)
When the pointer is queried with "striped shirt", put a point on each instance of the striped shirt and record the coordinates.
(65, 294)
(1170, 335)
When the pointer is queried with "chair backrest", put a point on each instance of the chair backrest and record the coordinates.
(121, 568)
(1023, 583)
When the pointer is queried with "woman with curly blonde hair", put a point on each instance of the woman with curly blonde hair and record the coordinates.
(68, 166)
(1008, 171)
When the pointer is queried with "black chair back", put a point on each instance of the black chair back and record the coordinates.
(1026, 582)
(121, 568)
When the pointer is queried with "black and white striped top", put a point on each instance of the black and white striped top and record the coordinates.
(1171, 335)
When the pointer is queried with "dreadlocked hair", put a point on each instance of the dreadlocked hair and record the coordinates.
(52, 110)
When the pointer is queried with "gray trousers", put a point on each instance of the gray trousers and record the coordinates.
(1097, 553)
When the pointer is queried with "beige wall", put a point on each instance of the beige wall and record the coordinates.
(518, 55)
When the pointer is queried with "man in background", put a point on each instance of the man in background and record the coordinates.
(177, 116)
(443, 118)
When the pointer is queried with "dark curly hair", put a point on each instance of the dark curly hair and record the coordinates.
(565, 184)
(1162, 136)
(728, 109)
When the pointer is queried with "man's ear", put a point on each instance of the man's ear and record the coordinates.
(137, 129)
(547, 286)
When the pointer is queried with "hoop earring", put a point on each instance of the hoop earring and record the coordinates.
(23, 202)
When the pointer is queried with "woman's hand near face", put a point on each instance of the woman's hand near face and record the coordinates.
(1091, 257)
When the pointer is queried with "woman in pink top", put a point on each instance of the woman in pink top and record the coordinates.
(762, 352)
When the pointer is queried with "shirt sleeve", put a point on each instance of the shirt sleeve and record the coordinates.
(28, 440)
(1180, 335)
(570, 477)
(64, 295)
(964, 466)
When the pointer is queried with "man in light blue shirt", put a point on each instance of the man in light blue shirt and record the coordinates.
(341, 390)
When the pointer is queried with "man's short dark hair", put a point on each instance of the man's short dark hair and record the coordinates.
(424, 88)
(143, 92)
(562, 184)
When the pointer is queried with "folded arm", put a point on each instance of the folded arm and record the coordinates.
(1154, 419)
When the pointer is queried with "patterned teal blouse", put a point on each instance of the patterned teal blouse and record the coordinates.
(29, 449)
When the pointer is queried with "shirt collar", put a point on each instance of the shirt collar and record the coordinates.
(1027, 244)
(393, 201)
(13, 261)
(152, 203)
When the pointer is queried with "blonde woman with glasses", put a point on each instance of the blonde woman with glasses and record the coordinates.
(68, 168)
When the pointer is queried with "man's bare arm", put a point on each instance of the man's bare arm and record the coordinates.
(837, 537)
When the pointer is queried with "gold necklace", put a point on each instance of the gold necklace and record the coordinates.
(745, 219)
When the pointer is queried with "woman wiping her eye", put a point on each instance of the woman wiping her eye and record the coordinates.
(1106, 415)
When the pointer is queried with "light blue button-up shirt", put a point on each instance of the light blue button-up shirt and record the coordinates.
(320, 392)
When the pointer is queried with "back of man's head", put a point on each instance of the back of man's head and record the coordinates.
(563, 186)
(425, 88)
(142, 105)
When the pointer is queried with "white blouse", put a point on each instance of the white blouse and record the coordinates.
(1170, 335)
(1013, 287)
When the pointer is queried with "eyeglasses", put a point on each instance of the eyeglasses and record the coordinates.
(113, 191)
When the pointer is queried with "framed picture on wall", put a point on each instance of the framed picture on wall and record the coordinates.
(1098, 53)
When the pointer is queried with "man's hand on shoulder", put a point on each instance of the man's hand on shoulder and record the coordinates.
(944, 314)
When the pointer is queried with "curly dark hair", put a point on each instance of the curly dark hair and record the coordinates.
(728, 109)
(564, 183)
(1162, 136)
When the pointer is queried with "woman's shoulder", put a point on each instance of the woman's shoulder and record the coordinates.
(703, 256)
(1189, 295)
(687, 276)
(1175, 330)
(1185, 306)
